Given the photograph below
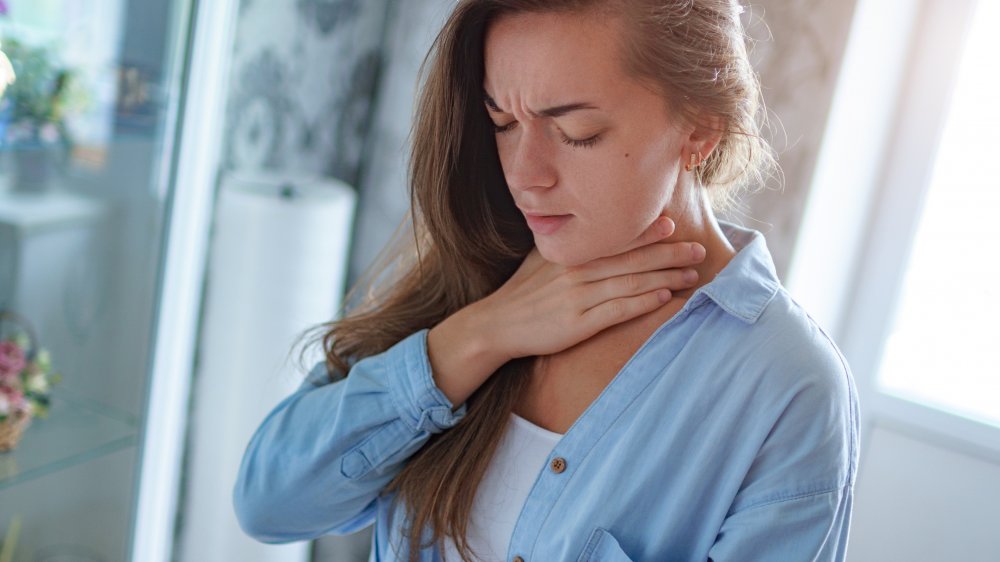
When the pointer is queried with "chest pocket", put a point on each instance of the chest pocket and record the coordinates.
(603, 547)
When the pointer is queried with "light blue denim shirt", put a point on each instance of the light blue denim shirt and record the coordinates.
(730, 435)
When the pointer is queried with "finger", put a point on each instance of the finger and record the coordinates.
(622, 309)
(633, 284)
(664, 255)
(661, 228)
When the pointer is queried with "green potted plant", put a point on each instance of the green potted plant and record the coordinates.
(33, 113)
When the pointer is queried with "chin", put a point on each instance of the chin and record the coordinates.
(564, 254)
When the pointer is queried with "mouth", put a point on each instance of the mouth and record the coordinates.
(546, 224)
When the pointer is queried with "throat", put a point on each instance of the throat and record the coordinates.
(565, 384)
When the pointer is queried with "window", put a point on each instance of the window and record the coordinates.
(943, 349)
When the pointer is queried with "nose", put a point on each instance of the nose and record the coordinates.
(526, 157)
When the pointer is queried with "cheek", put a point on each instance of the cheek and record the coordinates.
(623, 194)
(614, 203)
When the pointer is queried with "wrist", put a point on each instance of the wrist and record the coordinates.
(486, 343)
(462, 355)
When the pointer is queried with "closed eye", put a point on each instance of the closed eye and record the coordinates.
(504, 128)
(584, 143)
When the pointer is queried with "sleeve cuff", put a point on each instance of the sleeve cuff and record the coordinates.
(422, 405)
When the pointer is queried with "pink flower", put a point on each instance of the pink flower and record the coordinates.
(15, 398)
(11, 360)
(14, 402)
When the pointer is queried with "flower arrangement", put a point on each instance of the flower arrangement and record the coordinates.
(26, 379)
(34, 109)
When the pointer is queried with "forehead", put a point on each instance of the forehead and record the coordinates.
(542, 56)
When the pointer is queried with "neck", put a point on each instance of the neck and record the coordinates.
(695, 222)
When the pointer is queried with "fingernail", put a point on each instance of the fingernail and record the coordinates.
(664, 226)
(690, 275)
(697, 251)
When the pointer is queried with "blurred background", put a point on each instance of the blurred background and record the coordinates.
(187, 185)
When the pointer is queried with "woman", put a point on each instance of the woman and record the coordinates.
(543, 384)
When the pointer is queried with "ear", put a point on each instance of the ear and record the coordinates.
(705, 136)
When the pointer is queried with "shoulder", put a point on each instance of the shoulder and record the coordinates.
(787, 349)
(804, 395)
(797, 417)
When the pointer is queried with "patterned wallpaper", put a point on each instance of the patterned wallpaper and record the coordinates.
(303, 77)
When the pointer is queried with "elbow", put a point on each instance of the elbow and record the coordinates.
(278, 520)
(252, 520)
(257, 516)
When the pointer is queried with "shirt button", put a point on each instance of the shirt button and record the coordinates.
(518, 559)
(558, 465)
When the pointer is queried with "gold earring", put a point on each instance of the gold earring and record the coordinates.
(690, 165)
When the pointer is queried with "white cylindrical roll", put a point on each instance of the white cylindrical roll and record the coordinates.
(277, 266)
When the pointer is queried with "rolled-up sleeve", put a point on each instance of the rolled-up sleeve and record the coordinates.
(320, 458)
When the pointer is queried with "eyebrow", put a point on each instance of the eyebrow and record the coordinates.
(550, 112)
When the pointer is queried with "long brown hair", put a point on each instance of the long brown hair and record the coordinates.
(465, 237)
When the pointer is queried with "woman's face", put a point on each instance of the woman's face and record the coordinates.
(576, 136)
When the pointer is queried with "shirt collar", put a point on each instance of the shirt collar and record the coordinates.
(748, 282)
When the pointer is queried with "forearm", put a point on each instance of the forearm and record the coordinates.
(320, 458)
(290, 485)
(462, 354)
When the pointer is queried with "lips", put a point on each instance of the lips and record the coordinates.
(546, 224)
(541, 213)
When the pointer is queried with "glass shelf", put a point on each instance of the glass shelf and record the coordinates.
(77, 430)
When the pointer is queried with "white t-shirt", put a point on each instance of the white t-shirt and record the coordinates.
(522, 453)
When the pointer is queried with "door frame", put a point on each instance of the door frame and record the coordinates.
(191, 154)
